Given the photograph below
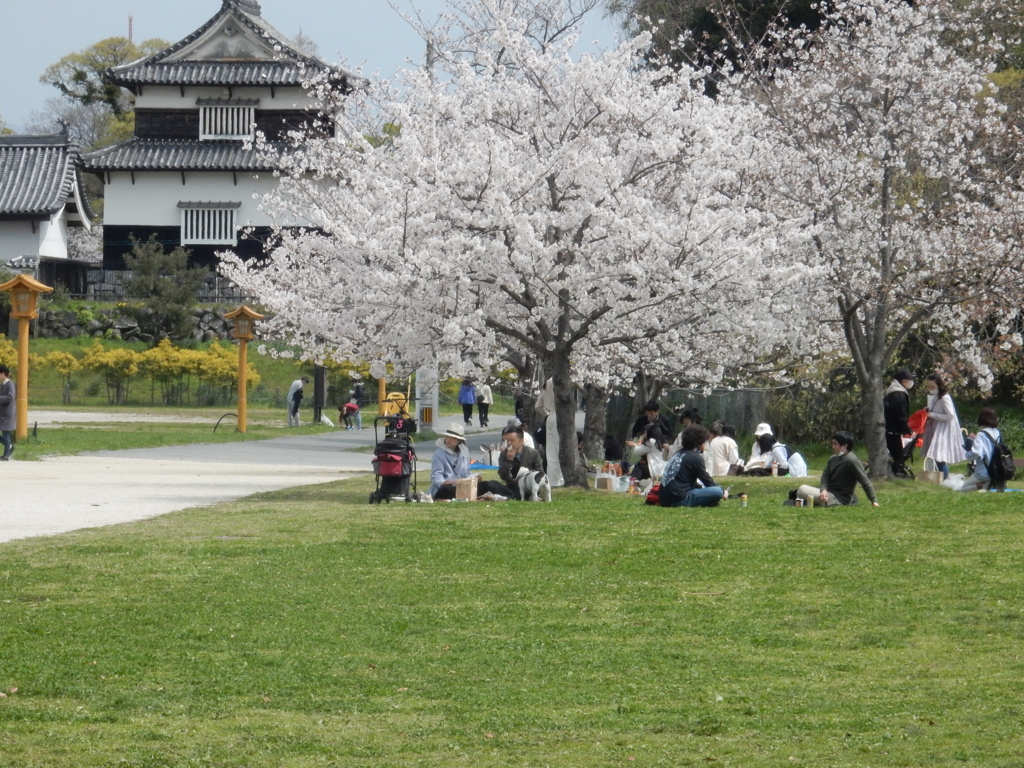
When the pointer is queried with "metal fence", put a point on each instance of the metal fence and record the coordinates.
(108, 286)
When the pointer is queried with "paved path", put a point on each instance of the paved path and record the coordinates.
(66, 493)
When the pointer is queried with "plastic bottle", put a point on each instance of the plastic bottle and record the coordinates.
(775, 468)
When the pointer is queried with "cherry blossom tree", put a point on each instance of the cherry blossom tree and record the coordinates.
(584, 209)
(887, 146)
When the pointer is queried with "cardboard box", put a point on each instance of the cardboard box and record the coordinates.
(603, 483)
(466, 488)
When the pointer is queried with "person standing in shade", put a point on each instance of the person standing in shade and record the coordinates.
(8, 412)
(896, 409)
(295, 395)
(467, 399)
(943, 440)
(484, 399)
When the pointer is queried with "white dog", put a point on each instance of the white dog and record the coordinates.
(533, 486)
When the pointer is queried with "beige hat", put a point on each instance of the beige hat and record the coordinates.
(763, 429)
(455, 430)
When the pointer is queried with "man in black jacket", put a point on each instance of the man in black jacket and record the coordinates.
(896, 406)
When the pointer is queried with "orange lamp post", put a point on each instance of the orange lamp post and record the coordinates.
(24, 291)
(243, 318)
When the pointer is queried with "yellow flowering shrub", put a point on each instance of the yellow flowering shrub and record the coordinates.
(65, 364)
(116, 366)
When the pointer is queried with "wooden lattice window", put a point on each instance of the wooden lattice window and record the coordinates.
(226, 122)
(208, 223)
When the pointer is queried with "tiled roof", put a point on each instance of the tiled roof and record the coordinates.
(291, 66)
(238, 73)
(37, 175)
(176, 155)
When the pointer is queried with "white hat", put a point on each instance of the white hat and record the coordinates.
(763, 429)
(455, 430)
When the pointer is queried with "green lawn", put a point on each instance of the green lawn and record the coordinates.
(305, 628)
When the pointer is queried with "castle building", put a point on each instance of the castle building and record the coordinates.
(190, 175)
(40, 200)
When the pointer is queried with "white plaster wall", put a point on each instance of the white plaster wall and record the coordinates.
(18, 239)
(153, 199)
(160, 97)
(53, 241)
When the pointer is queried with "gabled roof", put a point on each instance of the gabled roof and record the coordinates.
(236, 47)
(177, 155)
(38, 177)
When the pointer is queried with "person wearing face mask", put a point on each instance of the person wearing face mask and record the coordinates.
(896, 408)
(943, 440)
(842, 474)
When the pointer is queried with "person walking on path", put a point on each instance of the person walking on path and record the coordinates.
(485, 399)
(840, 478)
(295, 395)
(467, 399)
(896, 408)
(943, 440)
(8, 412)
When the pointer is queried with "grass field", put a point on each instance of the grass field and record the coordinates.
(305, 628)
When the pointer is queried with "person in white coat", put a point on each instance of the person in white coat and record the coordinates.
(722, 450)
(943, 440)
(484, 401)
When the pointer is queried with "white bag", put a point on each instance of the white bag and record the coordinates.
(953, 482)
(930, 473)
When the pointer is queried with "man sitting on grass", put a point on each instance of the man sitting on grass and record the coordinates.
(842, 473)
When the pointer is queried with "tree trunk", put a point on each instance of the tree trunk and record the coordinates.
(593, 422)
(872, 390)
(557, 366)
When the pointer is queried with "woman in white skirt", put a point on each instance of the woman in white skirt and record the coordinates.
(943, 441)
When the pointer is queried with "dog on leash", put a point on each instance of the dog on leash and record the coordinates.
(533, 486)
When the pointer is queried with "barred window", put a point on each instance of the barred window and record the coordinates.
(208, 223)
(226, 122)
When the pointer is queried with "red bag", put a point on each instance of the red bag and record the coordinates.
(917, 421)
(654, 496)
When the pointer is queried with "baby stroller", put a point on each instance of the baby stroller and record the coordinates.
(394, 464)
(917, 422)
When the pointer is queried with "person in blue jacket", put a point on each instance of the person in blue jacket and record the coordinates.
(980, 452)
(467, 399)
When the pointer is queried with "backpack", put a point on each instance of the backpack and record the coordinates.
(1000, 465)
(654, 495)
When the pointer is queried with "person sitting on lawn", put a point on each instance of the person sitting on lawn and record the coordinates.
(722, 451)
(786, 462)
(842, 473)
(515, 455)
(686, 482)
(980, 453)
(449, 463)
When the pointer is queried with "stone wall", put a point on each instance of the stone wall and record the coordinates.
(207, 324)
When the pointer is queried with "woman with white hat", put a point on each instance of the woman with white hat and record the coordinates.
(756, 459)
(450, 462)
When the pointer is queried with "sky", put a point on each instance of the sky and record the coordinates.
(367, 33)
